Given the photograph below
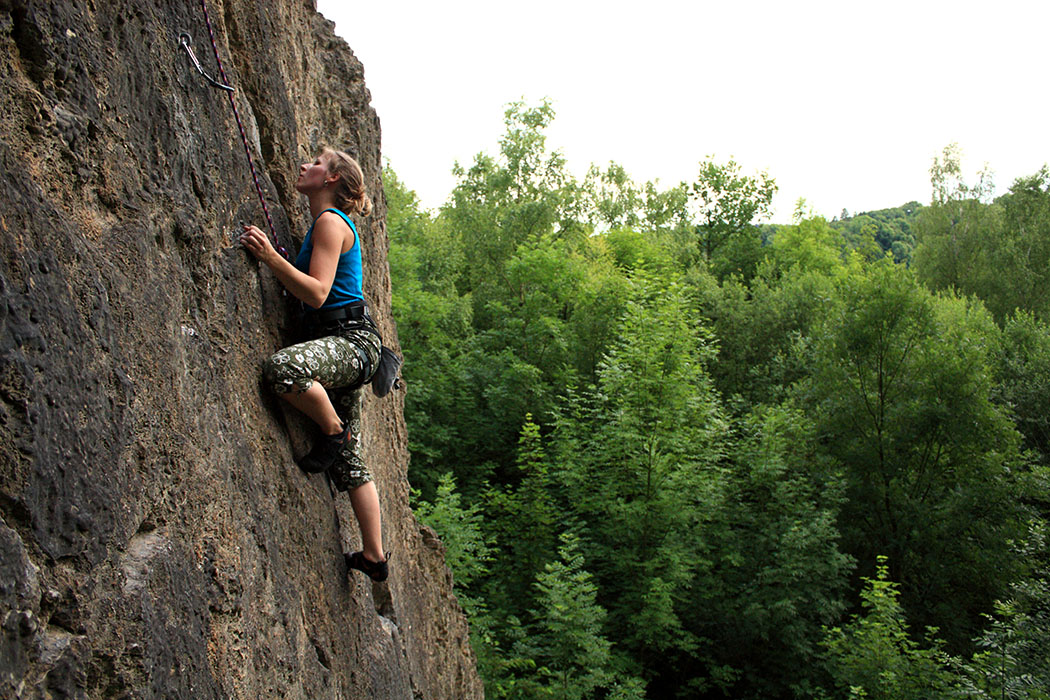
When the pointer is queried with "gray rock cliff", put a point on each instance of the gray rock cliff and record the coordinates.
(156, 538)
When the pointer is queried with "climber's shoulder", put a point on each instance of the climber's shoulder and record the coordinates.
(331, 230)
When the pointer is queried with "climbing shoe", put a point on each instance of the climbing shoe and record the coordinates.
(377, 571)
(326, 450)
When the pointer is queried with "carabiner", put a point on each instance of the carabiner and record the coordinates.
(185, 41)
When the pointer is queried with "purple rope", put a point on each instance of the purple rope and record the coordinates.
(244, 137)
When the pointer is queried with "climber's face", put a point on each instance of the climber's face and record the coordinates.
(313, 176)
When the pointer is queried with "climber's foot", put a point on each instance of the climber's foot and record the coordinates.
(375, 570)
(326, 450)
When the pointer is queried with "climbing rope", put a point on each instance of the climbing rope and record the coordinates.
(184, 41)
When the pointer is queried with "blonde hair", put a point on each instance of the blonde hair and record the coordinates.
(350, 194)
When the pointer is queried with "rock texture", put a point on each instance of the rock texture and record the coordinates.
(156, 538)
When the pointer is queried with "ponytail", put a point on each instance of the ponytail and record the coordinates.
(350, 194)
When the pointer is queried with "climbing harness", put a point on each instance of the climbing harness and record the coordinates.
(384, 375)
(185, 41)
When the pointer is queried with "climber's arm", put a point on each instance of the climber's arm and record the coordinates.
(312, 289)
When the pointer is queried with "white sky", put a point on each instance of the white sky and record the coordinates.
(843, 103)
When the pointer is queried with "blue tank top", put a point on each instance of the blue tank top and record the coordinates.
(346, 287)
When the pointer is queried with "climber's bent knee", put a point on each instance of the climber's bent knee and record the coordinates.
(349, 474)
(285, 374)
(333, 361)
(349, 471)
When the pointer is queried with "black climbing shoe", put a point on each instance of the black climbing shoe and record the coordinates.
(326, 450)
(377, 571)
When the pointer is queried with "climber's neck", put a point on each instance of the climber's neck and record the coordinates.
(321, 200)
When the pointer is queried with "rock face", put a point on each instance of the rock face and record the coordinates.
(156, 537)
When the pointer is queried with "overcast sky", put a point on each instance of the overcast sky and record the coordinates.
(843, 103)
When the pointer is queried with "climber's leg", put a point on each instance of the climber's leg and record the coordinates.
(349, 473)
(300, 373)
(303, 374)
(365, 500)
(316, 404)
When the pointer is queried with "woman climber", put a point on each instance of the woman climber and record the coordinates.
(323, 376)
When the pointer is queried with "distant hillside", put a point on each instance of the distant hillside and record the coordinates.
(893, 229)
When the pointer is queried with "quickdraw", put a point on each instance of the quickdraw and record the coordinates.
(185, 41)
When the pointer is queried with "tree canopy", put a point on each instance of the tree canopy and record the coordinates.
(675, 451)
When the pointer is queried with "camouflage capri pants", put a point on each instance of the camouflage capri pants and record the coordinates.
(334, 361)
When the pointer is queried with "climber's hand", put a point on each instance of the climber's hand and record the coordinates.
(257, 243)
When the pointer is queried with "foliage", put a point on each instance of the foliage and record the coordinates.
(903, 395)
(565, 641)
(650, 432)
(468, 553)
(1022, 256)
(764, 331)
(435, 323)
(780, 575)
(874, 656)
(467, 550)
(1023, 381)
(811, 244)
(679, 431)
(504, 300)
(1013, 658)
(525, 507)
(891, 230)
(999, 251)
(729, 204)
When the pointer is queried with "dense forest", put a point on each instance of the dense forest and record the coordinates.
(673, 452)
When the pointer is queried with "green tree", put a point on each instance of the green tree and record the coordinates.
(434, 326)
(902, 393)
(999, 251)
(1023, 381)
(520, 198)
(725, 415)
(875, 656)
(616, 201)
(650, 433)
(955, 234)
(524, 521)
(809, 244)
(1013, 657)
(779, 575)
(728, 203)
(501, 331)
(892, 230)
(468, 553)
(565, 637)
(764, 333)
(1020, 257)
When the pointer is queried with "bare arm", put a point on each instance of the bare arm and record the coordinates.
(329, 241)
